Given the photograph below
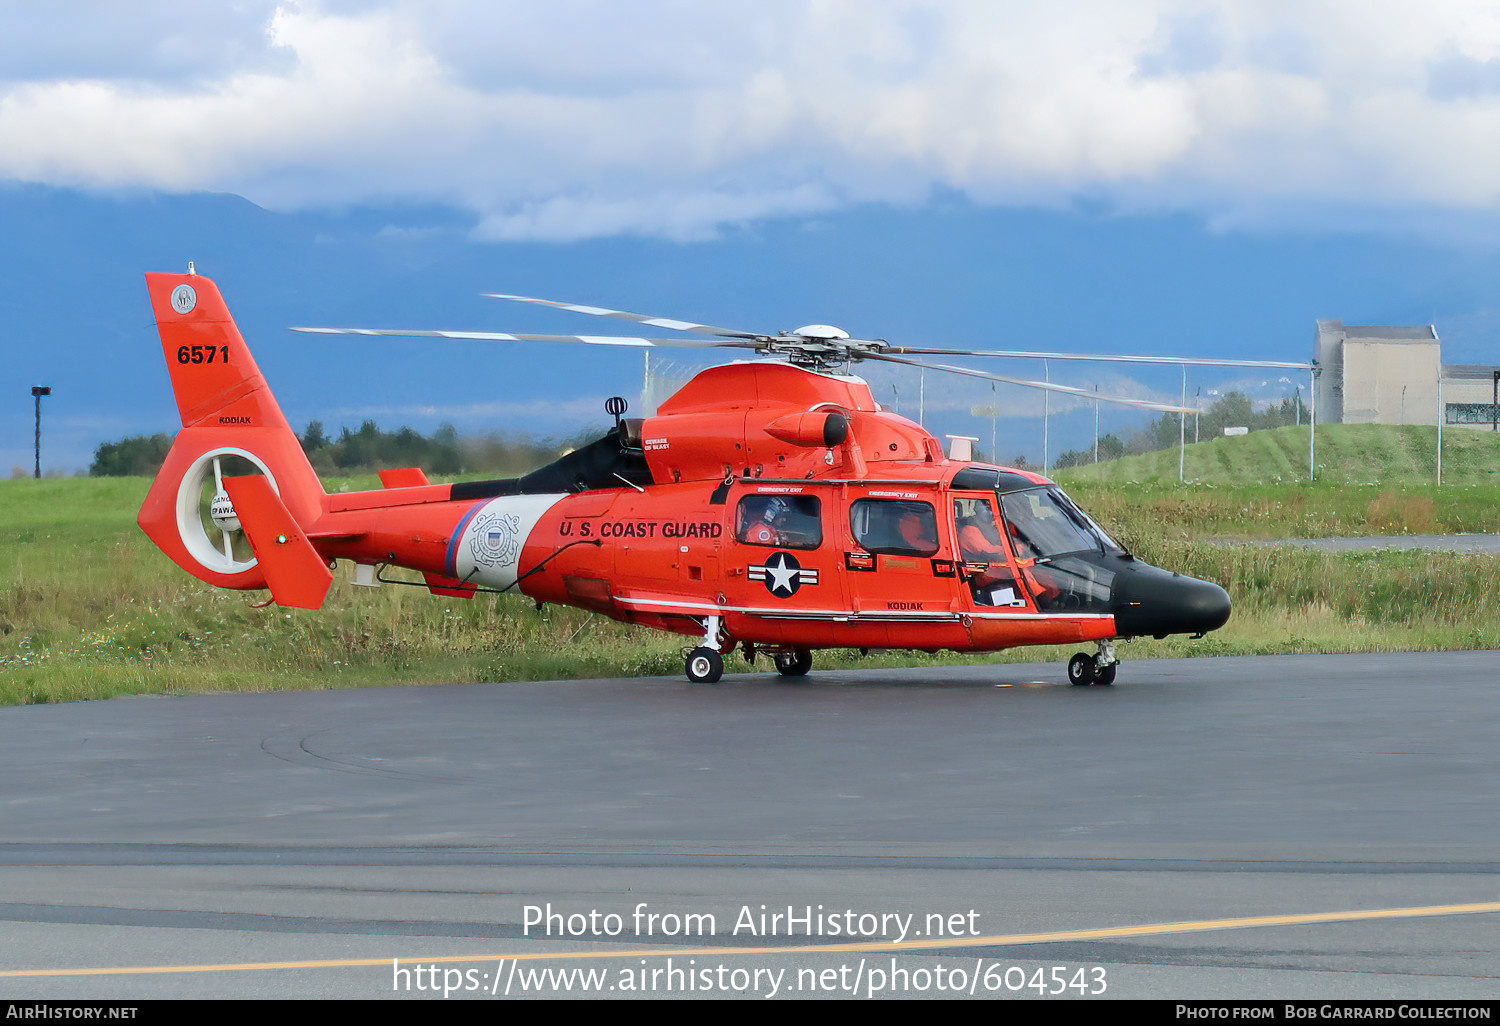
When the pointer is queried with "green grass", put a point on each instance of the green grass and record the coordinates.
(90, 609)
(1372, 480)
(1138, 513)
(1358, 454)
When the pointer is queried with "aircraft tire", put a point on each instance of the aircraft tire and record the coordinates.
(1106, 674)
(1082, 670)
(704, 666)
(794, 663)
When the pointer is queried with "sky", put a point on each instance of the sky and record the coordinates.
(1125, 176)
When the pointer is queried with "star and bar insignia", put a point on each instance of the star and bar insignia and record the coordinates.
(783, 575)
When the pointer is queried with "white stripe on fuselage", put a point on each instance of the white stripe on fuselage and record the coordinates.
(489, 553)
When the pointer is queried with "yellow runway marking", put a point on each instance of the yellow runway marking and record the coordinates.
(1001, 940)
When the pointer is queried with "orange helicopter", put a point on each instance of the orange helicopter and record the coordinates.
(771, 505)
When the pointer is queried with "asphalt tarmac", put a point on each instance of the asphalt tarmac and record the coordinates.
(1257, 828)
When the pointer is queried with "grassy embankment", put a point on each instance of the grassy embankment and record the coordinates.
(1372, 480)
(89, 608)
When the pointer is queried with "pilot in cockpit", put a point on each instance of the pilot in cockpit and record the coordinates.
(979, 543)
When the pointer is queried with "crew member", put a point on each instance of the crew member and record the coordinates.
(918, 533)
(979, 542)
(978, 538)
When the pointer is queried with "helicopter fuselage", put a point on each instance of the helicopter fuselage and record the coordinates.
(875, 541)
(765, 504)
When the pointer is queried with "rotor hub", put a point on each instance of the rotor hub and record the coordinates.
(820, 331)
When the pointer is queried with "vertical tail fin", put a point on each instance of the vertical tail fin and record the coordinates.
(231, 424)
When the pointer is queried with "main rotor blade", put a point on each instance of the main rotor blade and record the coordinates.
(1047, 386)
(496, 336)
(1016, 354)
(657, 322)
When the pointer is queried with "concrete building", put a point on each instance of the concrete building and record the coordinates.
(1390, 374)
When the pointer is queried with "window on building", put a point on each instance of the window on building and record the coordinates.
(1470, 413)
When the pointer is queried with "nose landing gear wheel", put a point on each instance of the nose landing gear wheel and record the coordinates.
(794, 663)
(1082, 670)
(1106, 674)
(704, 666)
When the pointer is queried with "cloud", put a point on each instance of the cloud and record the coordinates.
(582, 118)
(682, 216)
(166, 42)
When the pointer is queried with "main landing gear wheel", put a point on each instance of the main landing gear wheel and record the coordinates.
(1082, 670)
(1105, 674)
(794, 663)
(704, 666)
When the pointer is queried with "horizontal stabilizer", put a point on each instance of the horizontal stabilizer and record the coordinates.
(295, 573)
(403, 477)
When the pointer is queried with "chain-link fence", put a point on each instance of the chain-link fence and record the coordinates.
(1249, 423)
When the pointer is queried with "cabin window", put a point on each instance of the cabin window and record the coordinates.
(780, 521)
(894, 528)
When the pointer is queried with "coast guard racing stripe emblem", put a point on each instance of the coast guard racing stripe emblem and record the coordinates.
(783, 575)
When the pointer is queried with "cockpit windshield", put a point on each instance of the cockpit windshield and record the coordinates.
(1043, 522)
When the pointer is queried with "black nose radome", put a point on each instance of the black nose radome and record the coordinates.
(1150, 601)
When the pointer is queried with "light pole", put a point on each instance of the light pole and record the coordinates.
(37, 391)
(1182, 432)
(1046, 415)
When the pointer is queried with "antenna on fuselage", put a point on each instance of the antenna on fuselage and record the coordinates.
(615, 406)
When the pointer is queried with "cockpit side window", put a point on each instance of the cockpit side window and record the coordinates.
(978, 534)
(782, 521)
(987, 568)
